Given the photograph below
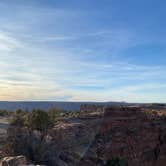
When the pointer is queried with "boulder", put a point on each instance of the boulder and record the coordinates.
(14, 161)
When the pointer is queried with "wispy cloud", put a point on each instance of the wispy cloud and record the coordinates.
(8, 43)
(59, 53)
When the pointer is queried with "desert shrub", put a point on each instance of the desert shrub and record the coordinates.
(35, 120)
(27, 122)
(53, 114)
(4, 112)
(17, 121)
(39, 120)
(19, 111)
(18, 118)
(116, 162)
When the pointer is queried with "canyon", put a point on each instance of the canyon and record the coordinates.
(119, 135)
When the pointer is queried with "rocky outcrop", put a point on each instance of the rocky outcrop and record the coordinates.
(131, 135)
(63, 145)
(14, 161)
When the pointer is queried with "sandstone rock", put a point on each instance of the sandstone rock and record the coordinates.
(14, 161)
(128, 134)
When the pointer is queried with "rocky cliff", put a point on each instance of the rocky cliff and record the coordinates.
(63, 145)
(132, 136)
(119, 136)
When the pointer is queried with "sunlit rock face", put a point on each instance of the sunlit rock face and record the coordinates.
(130, 134)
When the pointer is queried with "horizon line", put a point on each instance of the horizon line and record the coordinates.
(83, 101)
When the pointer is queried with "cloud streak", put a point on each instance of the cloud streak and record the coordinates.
(8, 43)
(59, 53)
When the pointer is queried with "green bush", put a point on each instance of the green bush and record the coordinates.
(3, 113)
(53, 114)
(35, 120)
(39, 120)
(116, 162)
(18, 118)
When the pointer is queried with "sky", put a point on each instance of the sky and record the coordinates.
(83, 50)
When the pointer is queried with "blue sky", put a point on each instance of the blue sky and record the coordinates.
(83, 50)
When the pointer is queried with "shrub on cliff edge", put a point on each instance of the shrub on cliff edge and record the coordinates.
(39, 120)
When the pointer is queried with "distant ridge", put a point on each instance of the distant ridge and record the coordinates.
(45, 105)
